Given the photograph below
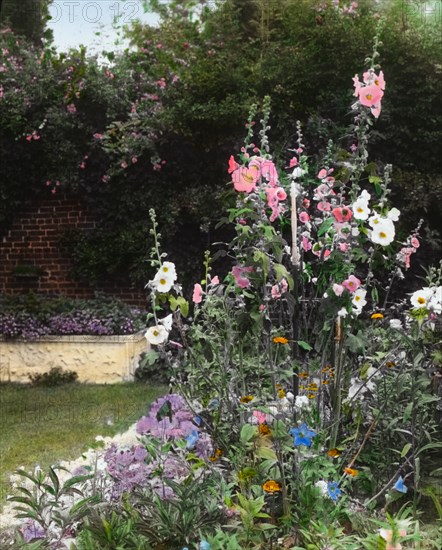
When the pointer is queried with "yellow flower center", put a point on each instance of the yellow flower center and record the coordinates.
(165, 269)
(360, 209)
(421, 300)
(163, 281)
(155, 333)
(382, 235)
(369, 97)
(357, 298)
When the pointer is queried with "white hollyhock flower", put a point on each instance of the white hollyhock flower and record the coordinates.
(162, 283)
(383, 233)
(297, 172)
(156, 335)
(374, 220)
(361, 210)
(394, 214)
(359, 300)
(435, 303)
(167, 322)
(342, 312)
(168, 270)
(365, 196)
(421, 298)
(395, 323)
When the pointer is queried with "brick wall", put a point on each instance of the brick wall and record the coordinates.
(33, 240)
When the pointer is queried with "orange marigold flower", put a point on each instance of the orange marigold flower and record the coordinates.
(246, 398)
(213, 458)
(324, 382)
(280, 340)
(271, 486)
(264, 429)
(390, 364)
(377, 316)
(334, 452)
(351, 472)
(219, 452)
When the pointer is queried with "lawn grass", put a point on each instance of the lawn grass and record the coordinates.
(41, 425)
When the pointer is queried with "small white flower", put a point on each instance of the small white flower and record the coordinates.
(355, 231)
(167, 322)
(297, 172)
(342, 312)
(396, 324)
(383, 233)
(361, 210)
(394, 214)
(322, 486)
(290, 396)
(156, 335)
(359, 300)
(421, 298)
(301, 402)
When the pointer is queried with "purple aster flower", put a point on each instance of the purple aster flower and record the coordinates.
(31, 530)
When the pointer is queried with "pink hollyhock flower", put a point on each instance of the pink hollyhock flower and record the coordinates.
(82, 165)
(324, 206)
(306, 244)
(357, 84)
(373, 78)
(105, 179)
(262, 307)
(415, 242)
(238, 272)
(322, 174)
(244, 179)
(293, 162)
(343, 247)
(197, 294)
(304, 217)
(232, 165)
(338, 289)
(306, 203)
(342, 214)
(214, 280)
(376, 110)
(123, 164)
(279, 289)
(71, 108)
(272, 199)
(269, 172)
(370, 95)
(98, 136)
(281, 195)
(352, 283)
(322, 191)
(134, 160)
(276, 211)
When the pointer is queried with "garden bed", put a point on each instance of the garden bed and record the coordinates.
(96, 359)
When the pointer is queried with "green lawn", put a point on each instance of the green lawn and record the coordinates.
(43, 425)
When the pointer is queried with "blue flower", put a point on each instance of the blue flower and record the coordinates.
(192, 439)
(198, 420)
(204, 545)
(400, 486)
(333, 490)
(302, 435)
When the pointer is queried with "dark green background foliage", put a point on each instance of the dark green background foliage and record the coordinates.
(299, 53)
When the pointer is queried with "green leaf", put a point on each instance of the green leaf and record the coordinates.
(266, 453)
(248, 432)
(304, 345)
(405, 450)
(325, 226)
